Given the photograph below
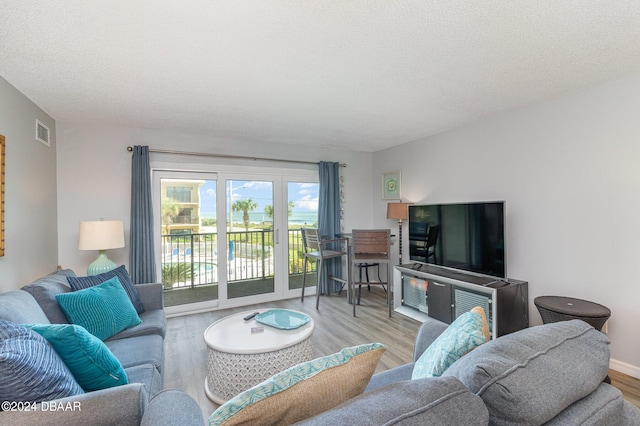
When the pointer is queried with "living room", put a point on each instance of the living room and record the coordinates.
(564, 164)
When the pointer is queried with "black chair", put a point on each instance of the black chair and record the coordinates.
(432, 239)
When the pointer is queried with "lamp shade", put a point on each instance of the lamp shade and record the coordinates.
(399, 211)
(101, 235)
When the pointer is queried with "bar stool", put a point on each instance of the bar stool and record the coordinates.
(315, 248)
(366, 267)
(371, 246)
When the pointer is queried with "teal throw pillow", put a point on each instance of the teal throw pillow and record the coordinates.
(30, 369)
(463, 335)
(104, 310)
(90, 361)
(304, 390)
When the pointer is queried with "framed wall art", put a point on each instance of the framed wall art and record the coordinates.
(391, 185)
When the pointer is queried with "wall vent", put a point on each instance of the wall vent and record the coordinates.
(42, 133)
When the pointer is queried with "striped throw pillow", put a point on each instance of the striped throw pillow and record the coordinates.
(30, 369)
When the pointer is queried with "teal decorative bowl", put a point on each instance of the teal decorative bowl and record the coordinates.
(283, 319)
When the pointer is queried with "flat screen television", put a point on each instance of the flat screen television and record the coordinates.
(463, 236)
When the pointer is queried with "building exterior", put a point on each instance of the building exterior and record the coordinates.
(180, 206)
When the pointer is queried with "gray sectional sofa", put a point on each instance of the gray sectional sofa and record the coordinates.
(549, 374)
(140, 350)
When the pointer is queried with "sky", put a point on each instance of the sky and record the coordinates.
(304, 195)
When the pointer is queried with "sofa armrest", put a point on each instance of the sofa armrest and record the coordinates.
(172, 407)
(121, 405)
(151, 295)
(427, 333)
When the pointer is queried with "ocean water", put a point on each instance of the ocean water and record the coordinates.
(296, 218)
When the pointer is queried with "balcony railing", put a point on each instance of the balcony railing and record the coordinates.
(192, 260)
(190, 220)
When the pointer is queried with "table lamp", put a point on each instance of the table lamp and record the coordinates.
(101, 235)
(399, 211)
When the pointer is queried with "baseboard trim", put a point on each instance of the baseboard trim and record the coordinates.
(412, 313)
(623, 367)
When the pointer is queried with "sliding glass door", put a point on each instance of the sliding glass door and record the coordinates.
(188, 237)
(250, 235)
(231, 239)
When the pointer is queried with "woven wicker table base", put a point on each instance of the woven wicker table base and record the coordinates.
(230, 374)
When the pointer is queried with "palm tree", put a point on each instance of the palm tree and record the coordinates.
(244, 206)
(268, 209)
(170, 208)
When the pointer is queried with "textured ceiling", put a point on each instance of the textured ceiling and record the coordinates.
(361, 75)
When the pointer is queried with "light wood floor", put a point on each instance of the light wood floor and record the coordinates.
(336, 328)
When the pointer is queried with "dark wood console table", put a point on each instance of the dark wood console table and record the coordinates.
(445, 294)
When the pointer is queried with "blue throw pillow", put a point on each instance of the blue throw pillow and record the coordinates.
(462, 335)
(104, 310)
(80, 283)
(87, 357)
(30, 369)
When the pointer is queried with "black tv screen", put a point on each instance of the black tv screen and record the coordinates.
(465, 236)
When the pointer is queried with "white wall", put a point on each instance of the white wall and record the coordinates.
(94, 176)
(569, 170)
(31, 245)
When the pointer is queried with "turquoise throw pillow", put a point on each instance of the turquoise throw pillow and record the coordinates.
(103, 310)
(30, 369)
(90, 361)
(304, 390)
(463, 335)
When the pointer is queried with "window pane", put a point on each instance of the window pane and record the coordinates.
(189, 240)
(303, 212)
(250, 267)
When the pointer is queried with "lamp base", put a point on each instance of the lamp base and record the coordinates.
(101, 265)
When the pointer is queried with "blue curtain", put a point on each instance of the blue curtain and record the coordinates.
(329, 219)
(142, 262)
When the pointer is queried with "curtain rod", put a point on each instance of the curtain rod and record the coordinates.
(206, 154)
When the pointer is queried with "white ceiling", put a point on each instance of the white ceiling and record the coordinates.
(362, 75)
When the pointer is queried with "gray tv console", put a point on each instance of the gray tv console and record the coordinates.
(445, 294)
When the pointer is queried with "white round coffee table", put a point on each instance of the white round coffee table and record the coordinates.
(239, 358)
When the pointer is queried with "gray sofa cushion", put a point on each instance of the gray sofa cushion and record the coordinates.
(148, 375)
(44, 290)
(431, 401)
(388, 377)
(530, 376)
(20, 307)
(604, 406)
(138, 350)
(153, 322)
